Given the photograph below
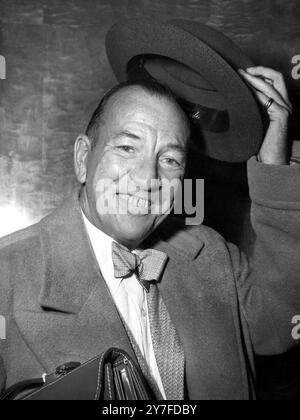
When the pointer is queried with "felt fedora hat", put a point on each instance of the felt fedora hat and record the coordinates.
(199, 64)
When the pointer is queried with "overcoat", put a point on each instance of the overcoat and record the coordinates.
(58, 308)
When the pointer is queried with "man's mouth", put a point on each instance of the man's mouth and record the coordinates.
(135, 201)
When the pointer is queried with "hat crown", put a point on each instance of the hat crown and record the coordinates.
(206, 74)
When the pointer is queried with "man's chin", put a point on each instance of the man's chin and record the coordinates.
(133, 232)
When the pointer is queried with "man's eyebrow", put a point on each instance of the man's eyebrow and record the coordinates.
(128, 134)
(170, 145)
(176, 146)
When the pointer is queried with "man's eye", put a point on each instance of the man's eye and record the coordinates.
(171, 162)
(127, 149)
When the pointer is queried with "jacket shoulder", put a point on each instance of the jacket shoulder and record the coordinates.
(19, 254)
(18, 239)
(200, 232)
(191, 239)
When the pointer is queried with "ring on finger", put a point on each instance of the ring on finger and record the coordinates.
(268, 104)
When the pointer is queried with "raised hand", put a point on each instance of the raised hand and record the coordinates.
(270, 89)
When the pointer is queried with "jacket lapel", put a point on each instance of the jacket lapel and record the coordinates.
(75, 318)
(200, 297)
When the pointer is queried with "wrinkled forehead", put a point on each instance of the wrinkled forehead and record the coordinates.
(134, 105)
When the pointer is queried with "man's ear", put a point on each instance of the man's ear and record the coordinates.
(81, 151)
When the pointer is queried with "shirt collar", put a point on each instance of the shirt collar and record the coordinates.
(102, 246)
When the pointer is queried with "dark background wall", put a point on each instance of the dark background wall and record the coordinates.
(57, 71)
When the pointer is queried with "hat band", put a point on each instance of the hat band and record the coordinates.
(207, 119)
(203, 118)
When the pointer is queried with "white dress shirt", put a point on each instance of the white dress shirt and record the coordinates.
(129, 297)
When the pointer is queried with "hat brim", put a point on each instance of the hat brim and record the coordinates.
(138, 37)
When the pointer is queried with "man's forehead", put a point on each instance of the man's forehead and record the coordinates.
(134, 102)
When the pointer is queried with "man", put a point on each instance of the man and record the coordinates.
(65, 291)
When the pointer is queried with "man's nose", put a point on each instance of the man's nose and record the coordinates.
(145, 175)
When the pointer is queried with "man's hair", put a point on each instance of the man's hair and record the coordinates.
(148, 85)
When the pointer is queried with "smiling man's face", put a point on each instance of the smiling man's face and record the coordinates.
(141, 148)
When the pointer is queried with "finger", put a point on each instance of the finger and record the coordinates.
(274, 110)
(265, 88)
(262, 86)
(276, 77)
(269, 81)
(264, 72)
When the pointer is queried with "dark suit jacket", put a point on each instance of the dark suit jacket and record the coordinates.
(58, 308)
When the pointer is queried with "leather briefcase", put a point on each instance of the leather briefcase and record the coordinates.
(111, 376)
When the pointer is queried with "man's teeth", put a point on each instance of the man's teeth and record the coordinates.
(135, 201)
